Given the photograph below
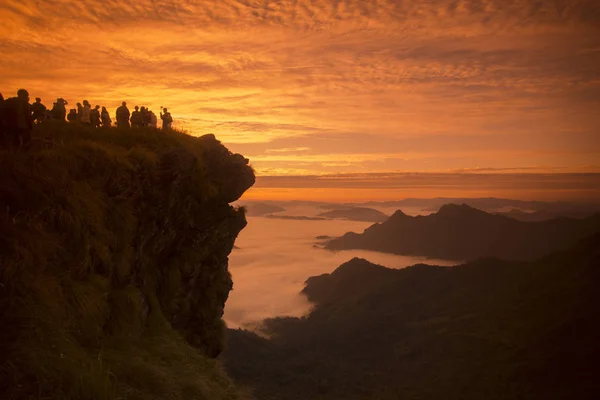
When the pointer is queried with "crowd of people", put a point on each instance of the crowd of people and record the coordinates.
(17, 117)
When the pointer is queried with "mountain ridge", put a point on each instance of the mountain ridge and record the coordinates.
(356, 214)
(461, 232)
(489, 329)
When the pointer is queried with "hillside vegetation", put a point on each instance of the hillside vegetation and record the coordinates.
(490, 329)
(114, 251)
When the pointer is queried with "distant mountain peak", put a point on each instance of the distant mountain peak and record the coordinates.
(399, 214)
(357, 261)
(355, 265)
(453, 209)
(356, 214)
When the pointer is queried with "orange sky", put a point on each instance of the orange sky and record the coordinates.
(309, 88)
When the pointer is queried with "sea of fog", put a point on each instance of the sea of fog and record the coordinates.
(274, 257)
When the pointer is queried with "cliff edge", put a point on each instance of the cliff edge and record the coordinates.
(114, 252)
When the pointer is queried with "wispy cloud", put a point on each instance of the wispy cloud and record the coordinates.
(454, 83)
(289, 150)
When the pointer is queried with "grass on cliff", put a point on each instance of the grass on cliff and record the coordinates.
(111, 249)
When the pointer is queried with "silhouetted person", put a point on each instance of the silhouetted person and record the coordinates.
(136, 118)
(38, 111)
(86, 113)
(145, 116)
(167, 120)
(95, 116)
(153, 120)
(59, 111)
(17, 120)
(2, 127)
(123, 116)
(79, 111)
(105, 117)
(72, 117)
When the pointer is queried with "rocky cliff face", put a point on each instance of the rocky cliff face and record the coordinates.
(113, 253)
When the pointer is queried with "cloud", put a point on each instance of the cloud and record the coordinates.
(523, 183)
(289, 150)
(390, 84)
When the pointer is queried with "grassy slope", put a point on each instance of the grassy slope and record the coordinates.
(113, 264)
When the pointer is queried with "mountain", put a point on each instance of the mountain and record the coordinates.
(460, 232)
(114, 252)
(489, 329)
(356, 214)
(295, 217)
(262, 209)
(489, 204)
(544, 215)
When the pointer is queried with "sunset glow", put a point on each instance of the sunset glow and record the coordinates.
(322, 88)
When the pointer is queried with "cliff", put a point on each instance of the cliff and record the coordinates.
(114, 264)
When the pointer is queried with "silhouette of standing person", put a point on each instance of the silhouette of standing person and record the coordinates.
(17, 120)
(167, 120)
(145, 116)
(2, 127)
(123, 116)
(153, 120)
(72, 117)
(95, 116)
(86, 113)
(79, 111)
(136, 118)
(38, 111)
(105, 117)
(59, 111)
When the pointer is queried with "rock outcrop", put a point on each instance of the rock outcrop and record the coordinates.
(114, 264)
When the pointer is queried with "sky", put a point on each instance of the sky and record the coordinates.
(341, 99)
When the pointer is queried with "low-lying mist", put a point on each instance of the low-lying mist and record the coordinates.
(274, 257)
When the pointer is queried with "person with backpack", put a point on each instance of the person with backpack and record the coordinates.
(153, 120)
(95, 116)
(59, 111)
(38, 111)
